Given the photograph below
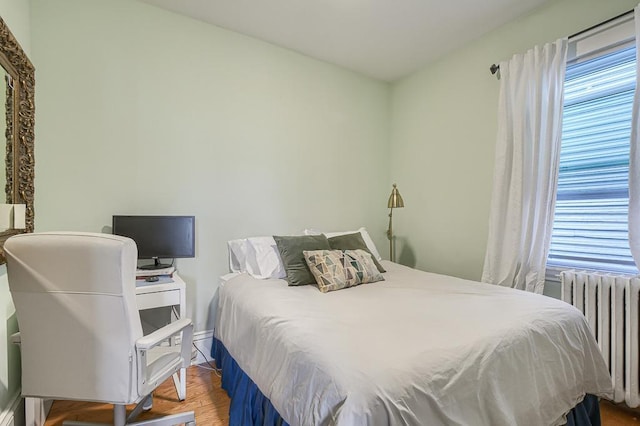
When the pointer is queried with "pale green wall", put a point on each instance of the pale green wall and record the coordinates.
(15, 13)
(143, 111)
(444, 123)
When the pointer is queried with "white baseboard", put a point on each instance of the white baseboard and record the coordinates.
(203, 340)
(14, 414)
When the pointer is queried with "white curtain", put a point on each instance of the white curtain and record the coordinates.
(634, 160)
(526, 167)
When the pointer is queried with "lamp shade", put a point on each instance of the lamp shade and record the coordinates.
(395, 199)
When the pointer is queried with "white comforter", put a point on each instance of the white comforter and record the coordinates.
(416, 349)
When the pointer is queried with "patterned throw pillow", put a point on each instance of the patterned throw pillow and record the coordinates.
(338, 269)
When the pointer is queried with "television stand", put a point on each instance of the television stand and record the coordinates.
(156, 265)
(156, 295)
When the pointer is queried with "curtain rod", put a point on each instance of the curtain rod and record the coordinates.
(495, 68)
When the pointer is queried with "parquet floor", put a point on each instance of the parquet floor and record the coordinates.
(204, 396)
(211, 405)
(613, 415)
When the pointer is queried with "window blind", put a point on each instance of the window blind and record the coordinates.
(590, 224)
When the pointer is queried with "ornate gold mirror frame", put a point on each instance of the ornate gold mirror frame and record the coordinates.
(20, 117)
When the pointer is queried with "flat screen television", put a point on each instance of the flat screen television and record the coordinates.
(158, 237)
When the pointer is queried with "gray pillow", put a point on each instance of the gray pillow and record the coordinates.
(295, 265)
(353, 242)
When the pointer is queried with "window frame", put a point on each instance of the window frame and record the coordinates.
(600, 41)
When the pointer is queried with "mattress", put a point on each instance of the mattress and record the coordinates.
(418, 348)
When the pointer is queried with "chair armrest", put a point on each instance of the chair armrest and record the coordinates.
(151, 375)
(149, 341)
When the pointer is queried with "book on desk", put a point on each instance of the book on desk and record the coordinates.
(154, 276)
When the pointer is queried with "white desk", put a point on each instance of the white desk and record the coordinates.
(165, 292)
(162, 293)
(148, 296)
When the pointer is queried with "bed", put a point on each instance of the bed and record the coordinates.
(417, 348)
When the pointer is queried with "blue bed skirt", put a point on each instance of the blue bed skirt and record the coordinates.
(250, 407)
(587, 413)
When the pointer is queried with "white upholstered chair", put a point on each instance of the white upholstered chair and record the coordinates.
(80, 331)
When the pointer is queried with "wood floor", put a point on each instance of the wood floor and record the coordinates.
(613, 415)
(211, 405)
(204, 396)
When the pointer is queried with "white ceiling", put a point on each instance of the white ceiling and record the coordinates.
(384, 39)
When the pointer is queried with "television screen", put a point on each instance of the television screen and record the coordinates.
(162, 237)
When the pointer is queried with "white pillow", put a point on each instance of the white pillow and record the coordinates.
(363, 231)
(257, 256)
(237, 255)
(265, 261)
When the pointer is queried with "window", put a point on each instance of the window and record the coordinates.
(590, 225)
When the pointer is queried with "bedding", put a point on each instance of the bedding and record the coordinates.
(415, 349)
(257, 256)
(363, 231)
(338, 269)
(249, 406)
(353, 241)
(237, 255)
(291, 250)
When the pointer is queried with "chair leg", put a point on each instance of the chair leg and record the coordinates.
(119, 419)
(119, 415)
(188, 418)
(180, 382)
(147, 401)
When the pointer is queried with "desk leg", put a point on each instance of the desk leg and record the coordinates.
(180, 378)
(180, 382)
(34, 411)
